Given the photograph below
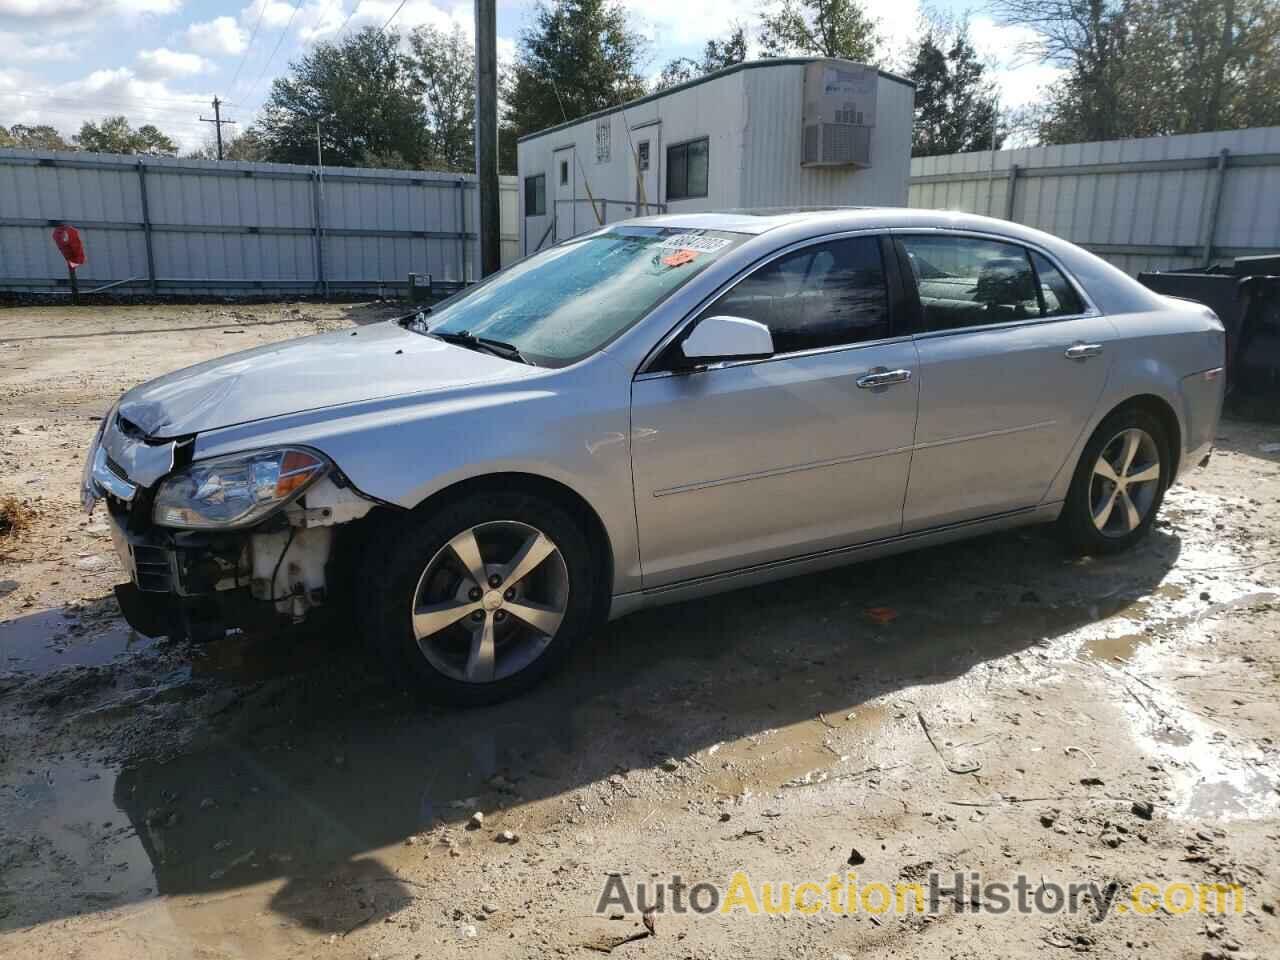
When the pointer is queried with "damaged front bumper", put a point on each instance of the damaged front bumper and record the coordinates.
(200, 583)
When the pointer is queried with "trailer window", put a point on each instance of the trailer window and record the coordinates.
(687, 170)
(535, 195)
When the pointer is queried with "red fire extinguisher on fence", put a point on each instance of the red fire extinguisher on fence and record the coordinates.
(67, 239)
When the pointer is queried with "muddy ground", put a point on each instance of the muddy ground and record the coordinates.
(995, 706)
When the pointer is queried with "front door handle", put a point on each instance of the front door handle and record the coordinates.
(882, 378)
(1083, 351)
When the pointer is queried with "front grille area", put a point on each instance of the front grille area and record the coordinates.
(152, 567)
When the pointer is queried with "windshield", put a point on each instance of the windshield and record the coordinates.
(558, 306)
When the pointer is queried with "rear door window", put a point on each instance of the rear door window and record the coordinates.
(971, 282)
(1060, 298)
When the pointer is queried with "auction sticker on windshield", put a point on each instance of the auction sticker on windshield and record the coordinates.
(695, 242)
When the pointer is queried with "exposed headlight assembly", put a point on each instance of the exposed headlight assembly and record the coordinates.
(237, 490)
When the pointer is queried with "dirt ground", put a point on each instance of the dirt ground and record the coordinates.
(994, 706)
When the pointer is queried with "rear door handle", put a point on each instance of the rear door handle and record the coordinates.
(1083, 351)
(882, 378)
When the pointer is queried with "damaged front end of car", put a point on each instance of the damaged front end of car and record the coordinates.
(247, 541)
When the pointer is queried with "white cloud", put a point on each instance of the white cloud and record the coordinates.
(1017, 68)
(415, 13)
(18, 48)
(58, 9)
(24, 99)
(273, 13)
(688, 22)
(219, 37)
(165, 63)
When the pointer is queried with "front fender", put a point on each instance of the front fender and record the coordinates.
(571, 426)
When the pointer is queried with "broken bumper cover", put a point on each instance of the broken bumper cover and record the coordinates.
(201, 582)
(186, 585)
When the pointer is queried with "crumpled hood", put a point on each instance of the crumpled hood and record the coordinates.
(329, 369)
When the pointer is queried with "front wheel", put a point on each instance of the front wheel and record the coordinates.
(483, 598)
(1119, 483)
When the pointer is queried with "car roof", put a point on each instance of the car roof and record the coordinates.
(757, 221)
(1107, 286)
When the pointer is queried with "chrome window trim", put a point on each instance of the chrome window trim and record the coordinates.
(645, 373)
(1091, 309)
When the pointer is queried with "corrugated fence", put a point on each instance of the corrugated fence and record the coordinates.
(1164, 203)
(159, 225)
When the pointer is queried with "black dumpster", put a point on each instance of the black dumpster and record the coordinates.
(1246, 296)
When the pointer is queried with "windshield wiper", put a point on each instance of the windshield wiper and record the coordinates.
(464, 338)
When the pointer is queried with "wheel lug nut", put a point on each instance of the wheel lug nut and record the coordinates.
(500, 615)
(477, 616)
(510, 594)
(495, 580)
(475, 594)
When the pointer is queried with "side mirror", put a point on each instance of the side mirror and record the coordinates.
(727, 338)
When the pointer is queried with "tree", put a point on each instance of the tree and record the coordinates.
(823, 28)
(1137, 68)
(246, 146)
(955, 107)
(1220, 62)
(579, 56)
(444, 67)
(1089, 39)
(363, 93)
(716, 55)
(115, 135)
(42, 137)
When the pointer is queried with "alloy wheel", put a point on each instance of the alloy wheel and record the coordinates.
(490, 601)
(1125, 482)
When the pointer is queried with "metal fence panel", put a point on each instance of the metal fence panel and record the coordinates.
(202, 227)
(1161, 203)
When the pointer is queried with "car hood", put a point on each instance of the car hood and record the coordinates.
(370, 363)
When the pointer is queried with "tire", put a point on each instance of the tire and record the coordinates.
(1091, 489)
(491, 652)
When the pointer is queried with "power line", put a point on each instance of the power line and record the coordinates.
(253, 36)
(279, 40)
(354, 11)
(393, 16)
(90, 113)
(190, 101)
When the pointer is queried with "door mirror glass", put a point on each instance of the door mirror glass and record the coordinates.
(727, 338)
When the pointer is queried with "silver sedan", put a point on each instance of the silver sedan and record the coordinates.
(662, 409)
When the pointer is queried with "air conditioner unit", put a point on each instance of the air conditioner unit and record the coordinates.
(839, 113)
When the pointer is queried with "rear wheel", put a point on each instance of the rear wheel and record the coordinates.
(1119, 483)
(482, 599)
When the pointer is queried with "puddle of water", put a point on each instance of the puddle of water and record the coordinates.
(1115, 647)
(67, 846)
(41, 643)
(1245, 797)
(260, 656)
(1212, 775)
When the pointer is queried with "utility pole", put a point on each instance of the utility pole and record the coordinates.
(487, 134)
(217, 122)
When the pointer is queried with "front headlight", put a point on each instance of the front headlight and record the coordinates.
(88, 492)
(237, 490)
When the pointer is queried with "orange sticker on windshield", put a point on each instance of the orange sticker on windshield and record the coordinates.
(679, 258)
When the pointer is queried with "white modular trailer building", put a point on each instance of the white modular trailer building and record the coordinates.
(764, 133)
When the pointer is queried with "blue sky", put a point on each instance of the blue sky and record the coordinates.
(162, 61)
